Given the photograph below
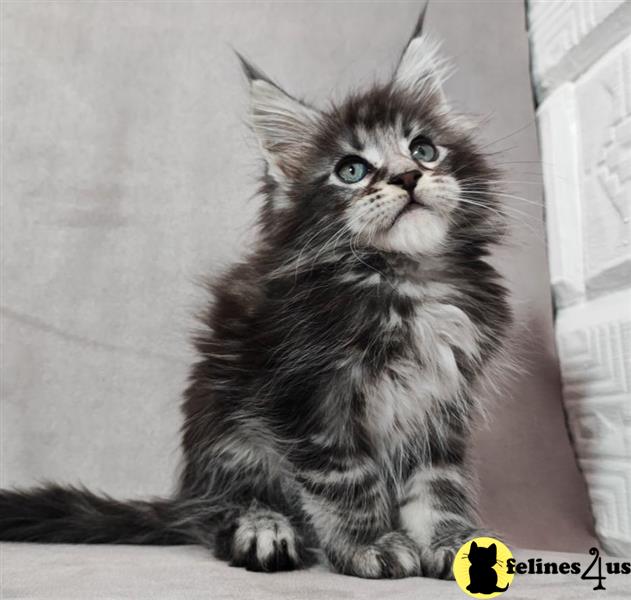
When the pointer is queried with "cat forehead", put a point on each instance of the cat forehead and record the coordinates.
(379, 144)
(380, 139)
(381, 119)
(379, 104)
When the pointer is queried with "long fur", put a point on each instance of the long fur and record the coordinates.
(340, 362)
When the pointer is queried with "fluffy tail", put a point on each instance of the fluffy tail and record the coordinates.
(56, 514)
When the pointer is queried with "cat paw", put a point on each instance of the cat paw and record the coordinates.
(392, 556)
(437, 561)
(261, 540)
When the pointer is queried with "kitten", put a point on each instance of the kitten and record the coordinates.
(339, 363)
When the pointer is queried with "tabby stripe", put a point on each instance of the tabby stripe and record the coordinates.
(346, 492)
(448, 496)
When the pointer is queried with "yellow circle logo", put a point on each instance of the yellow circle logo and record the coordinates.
(480, 568)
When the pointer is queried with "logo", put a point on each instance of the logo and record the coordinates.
(484, 568)
(480, 568)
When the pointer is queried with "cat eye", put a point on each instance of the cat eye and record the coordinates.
(423, 150)
(352, 169)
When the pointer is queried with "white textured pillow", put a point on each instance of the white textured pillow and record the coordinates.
(582, 119)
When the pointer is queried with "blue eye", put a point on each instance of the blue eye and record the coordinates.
(351, 169)
(423, 150)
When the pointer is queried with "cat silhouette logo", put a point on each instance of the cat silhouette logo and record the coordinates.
(480, 568)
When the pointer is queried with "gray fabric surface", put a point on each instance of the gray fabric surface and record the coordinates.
(187, 573)
(127, 169)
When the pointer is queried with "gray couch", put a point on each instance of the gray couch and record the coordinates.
(187, 573)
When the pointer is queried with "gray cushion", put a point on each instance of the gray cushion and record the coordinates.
(67, 572)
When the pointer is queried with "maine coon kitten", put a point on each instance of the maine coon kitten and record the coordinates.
(340, 362)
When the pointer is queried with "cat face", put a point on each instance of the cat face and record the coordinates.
(388, 170)
(392, 163)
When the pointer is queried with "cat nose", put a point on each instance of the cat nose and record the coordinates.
(406, 180)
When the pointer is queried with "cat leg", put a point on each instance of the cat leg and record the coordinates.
(245, 515)
(437, 511)
(351, 511)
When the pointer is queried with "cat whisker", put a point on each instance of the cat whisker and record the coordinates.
(528, 125)
(506, 212)
(500, 194)
(501, 181)
(504, 207)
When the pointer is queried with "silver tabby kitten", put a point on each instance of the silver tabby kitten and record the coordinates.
(340, 362)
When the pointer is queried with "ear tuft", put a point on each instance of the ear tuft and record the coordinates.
(283, 125)
(422, 69)
(418, 29)
(251, 71)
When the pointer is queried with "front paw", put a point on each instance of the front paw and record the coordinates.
(261, 540)
(437, 560)
(392, 556)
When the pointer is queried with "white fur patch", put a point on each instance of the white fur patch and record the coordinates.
(269, 529)
(398, 402)
(418, 232)
(449, 324)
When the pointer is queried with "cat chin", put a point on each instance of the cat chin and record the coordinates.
(419, 232)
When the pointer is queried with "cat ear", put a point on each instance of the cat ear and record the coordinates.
(474, 546)
(283, 125)
(422, 70)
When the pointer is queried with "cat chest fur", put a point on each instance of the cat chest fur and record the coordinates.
(400, 398)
